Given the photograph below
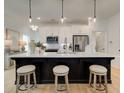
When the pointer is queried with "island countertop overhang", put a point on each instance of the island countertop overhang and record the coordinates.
(63, 55)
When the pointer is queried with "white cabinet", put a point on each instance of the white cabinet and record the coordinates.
(65, 32)
(62, 31)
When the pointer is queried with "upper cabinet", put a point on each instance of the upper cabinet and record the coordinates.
(65, 31)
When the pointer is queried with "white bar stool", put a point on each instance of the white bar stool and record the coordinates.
(25, 71)
(61, 70)
(98, 70)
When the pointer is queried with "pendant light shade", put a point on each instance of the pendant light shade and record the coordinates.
(30, 19)
(62, 20)
(94, 20)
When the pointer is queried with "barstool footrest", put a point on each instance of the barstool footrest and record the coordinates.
(61, 87)
(98, 87)
(26, 87)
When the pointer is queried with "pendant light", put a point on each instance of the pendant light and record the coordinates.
(30, 18)
(32, 26)
(62, 17)
(94, 17)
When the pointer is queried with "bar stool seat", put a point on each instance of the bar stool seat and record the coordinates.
(25, 71)
(98, 70)
(61, 70)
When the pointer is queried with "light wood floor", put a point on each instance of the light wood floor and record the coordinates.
(74, 88)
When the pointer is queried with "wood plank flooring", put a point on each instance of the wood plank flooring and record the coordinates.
(74, 88)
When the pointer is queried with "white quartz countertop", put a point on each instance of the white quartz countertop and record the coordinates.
(61, 55)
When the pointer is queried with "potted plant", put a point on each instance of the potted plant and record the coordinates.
(39, 47)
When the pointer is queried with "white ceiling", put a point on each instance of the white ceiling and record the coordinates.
(76, 11)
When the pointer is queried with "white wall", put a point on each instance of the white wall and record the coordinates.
(114, 39)
(111, 27)
(114, 34)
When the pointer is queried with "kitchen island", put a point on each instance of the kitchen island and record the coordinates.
(78, 64)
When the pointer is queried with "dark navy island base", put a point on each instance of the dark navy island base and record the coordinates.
(79, 67)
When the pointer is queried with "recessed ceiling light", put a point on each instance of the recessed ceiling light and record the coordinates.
(38, 18)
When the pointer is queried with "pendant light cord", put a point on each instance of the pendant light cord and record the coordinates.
(62, 8)
(29, 8)
(94, 8)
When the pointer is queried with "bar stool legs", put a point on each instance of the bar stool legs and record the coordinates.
(28, 83)
(106, 83)
(100, 81)
(17, 86)
(61, 70)
(26, 71)
(34, 77)
(56, 81)
(90, 77)
(25, 80)
(94, 83)
(97, 70)
(66, 81)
